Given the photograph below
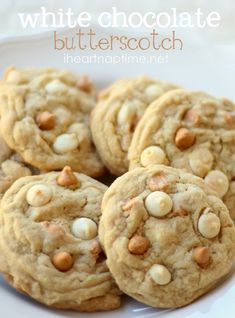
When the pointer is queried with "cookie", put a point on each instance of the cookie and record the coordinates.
(192, 131)
(167, 236)
(45, 115)
(12, 167)
(49, 248)
(116, 115)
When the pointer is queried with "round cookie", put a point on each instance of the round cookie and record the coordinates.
(12, 167)
(45, 118)
(116, 115)
(167, 236)
(49, 248)
(192, 131)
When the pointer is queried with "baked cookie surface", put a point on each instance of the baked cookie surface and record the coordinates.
(45, 115)
(49, 247)
(116, 115)
(12, 167)
(192, 131)
(167, 236)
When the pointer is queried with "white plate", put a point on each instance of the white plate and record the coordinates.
(196, 67)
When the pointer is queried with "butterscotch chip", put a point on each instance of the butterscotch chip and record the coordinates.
(45, 120)
(52, 228)
(138, 245)
(184, 138)
(158, 183)
(84, 83)
(67, 177)
(129, 204)
(229, 119)
(95, 248)
(201, 255)
(192, 116)
(63, 261)
(179, 212)
(45, 223)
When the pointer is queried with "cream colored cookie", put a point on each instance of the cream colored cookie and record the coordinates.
(167, 236)
(49, 246)
(12, 167)
(116, 115)
(45, 115)
(192, 131)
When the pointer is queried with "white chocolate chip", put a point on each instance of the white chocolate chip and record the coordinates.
(152, 155)
(125, 114)
(153, 91)
(38, 195)
(201, 161)
(158, 203)
(65, 143)
(77, 128)
(83, 135)
(55, 86)
(160, 274)
(84, 228)
(16, 77)
(218, 182)
(209, 224)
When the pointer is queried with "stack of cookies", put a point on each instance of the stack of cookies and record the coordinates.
(162, 233)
